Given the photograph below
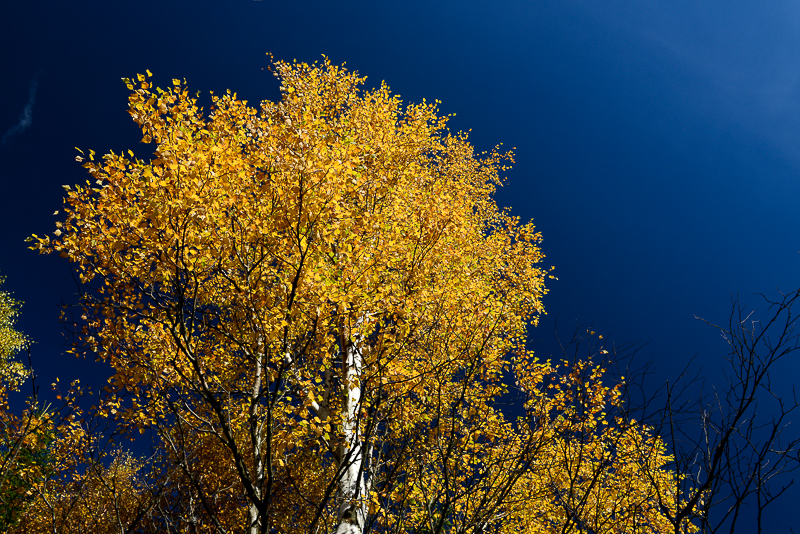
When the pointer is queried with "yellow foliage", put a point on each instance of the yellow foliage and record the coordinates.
(11, 341)
(288, 290)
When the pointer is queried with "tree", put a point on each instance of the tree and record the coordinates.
(38, 446)
(15, 454)
(12, 373)
(315, 307)
(732, 451)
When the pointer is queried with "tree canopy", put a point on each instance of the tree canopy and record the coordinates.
(11, 341)
(315, 307)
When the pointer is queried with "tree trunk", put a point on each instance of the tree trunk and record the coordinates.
(256, 435)
(352, 493)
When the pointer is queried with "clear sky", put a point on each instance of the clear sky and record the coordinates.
(658, 142)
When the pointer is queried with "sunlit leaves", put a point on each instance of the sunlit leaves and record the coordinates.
(12, 373)
(289, 289)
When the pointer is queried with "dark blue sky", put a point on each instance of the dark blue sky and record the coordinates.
(658, 141)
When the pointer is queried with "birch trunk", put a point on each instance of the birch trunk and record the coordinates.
(256, 435)
(353, 491)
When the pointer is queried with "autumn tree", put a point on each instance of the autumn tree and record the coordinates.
(12, 372)
(314, 306)
(14, 455)
(27, 439)
(40, 447)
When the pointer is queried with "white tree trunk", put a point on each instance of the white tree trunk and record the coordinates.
(257, 438)
(353, 491)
